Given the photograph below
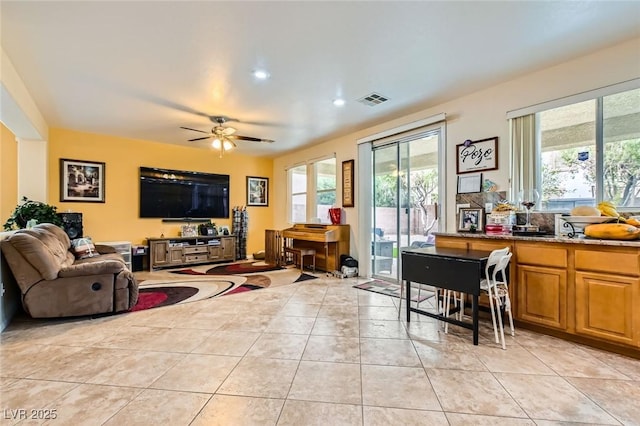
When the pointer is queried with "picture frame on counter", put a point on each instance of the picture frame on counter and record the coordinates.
(471, 220)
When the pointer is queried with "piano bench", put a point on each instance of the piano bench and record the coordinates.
(300, 253)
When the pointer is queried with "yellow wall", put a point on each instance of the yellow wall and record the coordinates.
(8, 172)
(118, 218)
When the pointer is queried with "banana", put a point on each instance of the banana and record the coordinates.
(608, 209)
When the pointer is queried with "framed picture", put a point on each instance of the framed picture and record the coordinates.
(347, 183)
(473, 156)
(257, 191)
(81, 181)
(469, 184)
(471, 219)
(188, 231)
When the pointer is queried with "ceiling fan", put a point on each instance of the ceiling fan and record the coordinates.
(224, 137)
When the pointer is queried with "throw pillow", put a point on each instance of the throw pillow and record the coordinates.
(83, 248)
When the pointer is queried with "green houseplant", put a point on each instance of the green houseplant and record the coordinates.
(29, 209)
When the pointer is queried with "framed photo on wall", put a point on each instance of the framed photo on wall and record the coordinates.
(470, 184)
(347, 183)
(82, 181)
(257, 191)
(474, 156)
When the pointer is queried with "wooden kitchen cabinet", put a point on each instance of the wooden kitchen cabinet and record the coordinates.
(581, 290)
(607, 306)
(542, 295)
(608, 294)
(541, 284)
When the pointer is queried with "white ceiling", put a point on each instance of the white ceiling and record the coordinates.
(143, 69)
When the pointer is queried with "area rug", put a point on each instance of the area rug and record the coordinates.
(163, 288)
(393, 290)
(235, 269)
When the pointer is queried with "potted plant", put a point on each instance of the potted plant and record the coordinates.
(32, 210)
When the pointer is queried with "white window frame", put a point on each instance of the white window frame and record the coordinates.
(532, 161)
(312, 188)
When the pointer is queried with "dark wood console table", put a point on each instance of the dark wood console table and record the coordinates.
(447, 268)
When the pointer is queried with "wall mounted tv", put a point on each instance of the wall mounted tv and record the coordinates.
(183, 195)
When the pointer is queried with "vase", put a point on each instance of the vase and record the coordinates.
(335, 215)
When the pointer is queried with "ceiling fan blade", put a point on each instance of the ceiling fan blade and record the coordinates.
(249, 138)
(199, 139)
(195, 130)
(228, 131)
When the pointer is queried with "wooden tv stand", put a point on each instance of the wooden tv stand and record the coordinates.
(181, 251)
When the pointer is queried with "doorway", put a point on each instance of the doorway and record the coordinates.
(406, 188)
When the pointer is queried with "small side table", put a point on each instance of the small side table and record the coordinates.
(140, 258)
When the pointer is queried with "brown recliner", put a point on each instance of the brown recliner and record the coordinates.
(54, 284)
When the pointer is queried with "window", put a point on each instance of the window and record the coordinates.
(585, 152)
(325, 187)
(313, 190)
(298, 185)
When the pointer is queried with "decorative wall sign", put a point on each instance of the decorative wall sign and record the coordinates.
(257, 191)
(477, 155)
(347, 183)
(81, 181)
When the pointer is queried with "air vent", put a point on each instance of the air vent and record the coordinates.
(373, 99)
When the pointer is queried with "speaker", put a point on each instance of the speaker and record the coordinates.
(72, 224)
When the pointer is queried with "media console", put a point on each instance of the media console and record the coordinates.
(180, 251)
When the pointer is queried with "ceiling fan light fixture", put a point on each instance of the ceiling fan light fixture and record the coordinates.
(227, 144)
(261, 74)
(216, 143)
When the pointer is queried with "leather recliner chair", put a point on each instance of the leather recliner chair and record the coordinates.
(53, 283)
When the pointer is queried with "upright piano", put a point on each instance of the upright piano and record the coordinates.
(329, 242)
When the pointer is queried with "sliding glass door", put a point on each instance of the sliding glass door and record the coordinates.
(405, 198)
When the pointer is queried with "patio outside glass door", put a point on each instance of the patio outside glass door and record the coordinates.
(405, 197)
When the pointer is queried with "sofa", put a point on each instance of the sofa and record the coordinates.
(54, 283)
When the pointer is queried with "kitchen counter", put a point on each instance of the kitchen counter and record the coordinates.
(579, 289)
(542, 238)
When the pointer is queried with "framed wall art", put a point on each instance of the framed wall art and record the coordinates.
(474, 156)
(257, 191)
(471, 220)
(82, 181)
(347, 183)
(470, 184)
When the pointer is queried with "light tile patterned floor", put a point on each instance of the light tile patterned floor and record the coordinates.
(314, 353)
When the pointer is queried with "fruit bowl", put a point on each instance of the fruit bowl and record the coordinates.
(582, 221)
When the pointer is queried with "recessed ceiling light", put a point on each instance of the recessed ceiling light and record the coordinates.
(261, 74)
(338, 102)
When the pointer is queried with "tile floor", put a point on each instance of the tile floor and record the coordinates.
(315, 353)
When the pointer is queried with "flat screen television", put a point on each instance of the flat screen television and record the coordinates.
(177, 194)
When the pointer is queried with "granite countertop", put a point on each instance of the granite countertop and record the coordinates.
(542, 239)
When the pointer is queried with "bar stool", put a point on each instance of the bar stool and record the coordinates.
(300, 253)
(458, 297)
(498, 292)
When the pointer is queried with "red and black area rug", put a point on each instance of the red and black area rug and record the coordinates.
(204, 282)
